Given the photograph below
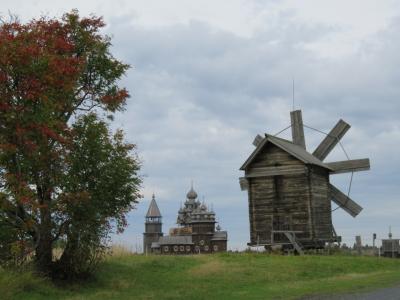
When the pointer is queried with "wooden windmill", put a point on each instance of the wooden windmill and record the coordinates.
(289, 191)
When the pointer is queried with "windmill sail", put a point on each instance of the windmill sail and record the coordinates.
(257, 140)
(297, 128)
(331, 140)
(344, 202)
(346, 166)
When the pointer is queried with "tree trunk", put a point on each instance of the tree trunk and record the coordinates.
(44, 251)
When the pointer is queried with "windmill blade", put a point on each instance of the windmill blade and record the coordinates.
(351, 207)
(297, 128)
(355, 165)
(331, 140)
(257, 140)
(244, 183)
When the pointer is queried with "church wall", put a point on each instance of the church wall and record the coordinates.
(176, 249)
(153, 227)
(219, 246)
(148, 239)
(203, 228)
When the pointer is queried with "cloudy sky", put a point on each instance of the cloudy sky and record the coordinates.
(207, 76)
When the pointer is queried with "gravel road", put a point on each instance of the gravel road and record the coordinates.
(392, 293)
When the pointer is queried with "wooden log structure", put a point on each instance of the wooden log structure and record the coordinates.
(275, 171)
(289, 191)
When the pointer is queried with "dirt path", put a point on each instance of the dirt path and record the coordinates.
(392, 293)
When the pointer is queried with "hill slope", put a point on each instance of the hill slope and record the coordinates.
(222, 276)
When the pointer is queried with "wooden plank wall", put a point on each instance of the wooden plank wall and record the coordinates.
(321, 203)
(272, 156)
(295, 202)
(286, 197)
(262, 194)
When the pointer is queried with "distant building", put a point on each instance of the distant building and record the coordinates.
(391, 247)
(153, 226)
(196, 233)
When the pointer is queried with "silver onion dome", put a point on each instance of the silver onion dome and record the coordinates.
(191, 195)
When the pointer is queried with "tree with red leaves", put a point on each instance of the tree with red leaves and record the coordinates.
(64, 177)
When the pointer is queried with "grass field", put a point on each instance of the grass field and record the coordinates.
(222, 276)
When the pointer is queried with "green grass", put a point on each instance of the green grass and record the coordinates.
(222, 276)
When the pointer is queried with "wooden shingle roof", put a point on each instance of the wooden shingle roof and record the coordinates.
(291, 148)
(153, 211)
(220, 236)
(175, 240)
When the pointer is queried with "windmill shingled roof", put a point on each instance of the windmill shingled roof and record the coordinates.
(293, 149)
(153, 211)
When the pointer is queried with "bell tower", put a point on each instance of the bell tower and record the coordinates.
(153, 226)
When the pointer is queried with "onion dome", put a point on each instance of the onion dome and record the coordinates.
(191, 195)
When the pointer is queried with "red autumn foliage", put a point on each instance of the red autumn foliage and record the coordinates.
(117, 97)
(42, 55)
(51, 73)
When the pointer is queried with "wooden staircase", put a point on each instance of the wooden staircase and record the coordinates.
(296, 244)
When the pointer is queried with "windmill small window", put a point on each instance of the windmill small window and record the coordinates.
(289, 191)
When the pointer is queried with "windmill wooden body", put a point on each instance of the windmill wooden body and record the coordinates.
(289, 191)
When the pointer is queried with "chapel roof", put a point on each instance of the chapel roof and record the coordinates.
(153, 211)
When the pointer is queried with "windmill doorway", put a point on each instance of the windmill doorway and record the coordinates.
(281, 223)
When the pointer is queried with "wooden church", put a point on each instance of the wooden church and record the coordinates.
(196, 233)
(289, 192)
